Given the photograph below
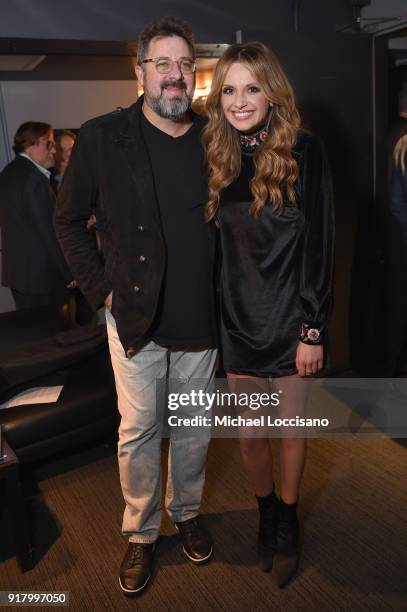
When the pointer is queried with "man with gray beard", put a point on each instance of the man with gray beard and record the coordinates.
(143, 171)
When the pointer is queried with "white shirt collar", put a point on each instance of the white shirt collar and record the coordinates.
(45, 172)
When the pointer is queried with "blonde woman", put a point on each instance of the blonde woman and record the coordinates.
(270, 192)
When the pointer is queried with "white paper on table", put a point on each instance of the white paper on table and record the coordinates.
(36, 395)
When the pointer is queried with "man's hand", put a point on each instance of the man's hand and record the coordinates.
(309, 359)
(108, 301)
(72, 285)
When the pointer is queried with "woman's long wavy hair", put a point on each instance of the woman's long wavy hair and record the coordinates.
(276, 171)
(400, 151)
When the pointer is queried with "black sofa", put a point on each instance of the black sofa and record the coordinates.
(40, 347)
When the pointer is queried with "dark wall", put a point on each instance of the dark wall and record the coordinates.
(332, 78)
(212, 20)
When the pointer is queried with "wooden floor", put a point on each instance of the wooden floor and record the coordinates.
(353, 510)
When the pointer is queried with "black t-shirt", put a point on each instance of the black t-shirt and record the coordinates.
(183, 316)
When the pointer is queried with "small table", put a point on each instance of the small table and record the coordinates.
(9, 471)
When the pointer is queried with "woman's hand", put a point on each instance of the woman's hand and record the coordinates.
(309, 359)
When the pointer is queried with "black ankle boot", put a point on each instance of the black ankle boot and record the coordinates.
(266, 544)
(286, 558)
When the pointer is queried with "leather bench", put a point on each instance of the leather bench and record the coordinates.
(86, 409)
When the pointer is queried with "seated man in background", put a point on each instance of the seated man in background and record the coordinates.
(33, 265)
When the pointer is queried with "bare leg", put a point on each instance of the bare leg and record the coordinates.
(293, 395)
(292, 461)
(258, 461)
(292, 449)
(256, 452)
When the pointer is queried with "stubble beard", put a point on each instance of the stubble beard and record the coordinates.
(169, 108)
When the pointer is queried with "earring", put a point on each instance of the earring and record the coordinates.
(269, 118)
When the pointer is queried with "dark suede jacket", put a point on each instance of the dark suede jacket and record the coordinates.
(110, 172)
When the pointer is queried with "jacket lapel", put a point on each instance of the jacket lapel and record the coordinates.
(23, 162)
(133, 150)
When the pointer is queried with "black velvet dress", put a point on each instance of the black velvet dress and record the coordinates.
(276, 270)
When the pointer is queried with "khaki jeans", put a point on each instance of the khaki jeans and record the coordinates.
(142, 384)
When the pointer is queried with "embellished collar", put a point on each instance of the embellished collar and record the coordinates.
(250, 143)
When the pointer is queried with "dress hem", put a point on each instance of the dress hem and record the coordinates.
(259, 373)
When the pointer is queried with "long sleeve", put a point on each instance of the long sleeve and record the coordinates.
(316, 276)
(76, 201)
(38, 201)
